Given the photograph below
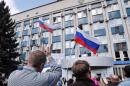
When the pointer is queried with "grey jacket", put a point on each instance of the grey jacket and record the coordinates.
(29, 77)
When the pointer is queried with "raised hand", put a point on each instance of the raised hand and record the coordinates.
(47, 50)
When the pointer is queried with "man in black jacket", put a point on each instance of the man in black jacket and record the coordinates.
(81, 71)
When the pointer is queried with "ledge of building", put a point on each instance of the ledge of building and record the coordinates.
(93, 61)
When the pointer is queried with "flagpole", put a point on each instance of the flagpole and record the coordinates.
(71, 52)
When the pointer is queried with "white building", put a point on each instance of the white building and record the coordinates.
(106, 20)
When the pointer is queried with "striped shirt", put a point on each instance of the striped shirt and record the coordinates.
(29, 77)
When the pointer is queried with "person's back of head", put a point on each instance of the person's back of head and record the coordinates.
(37, 59)
(80, 69)
(127, 71)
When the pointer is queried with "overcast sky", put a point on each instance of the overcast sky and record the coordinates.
(22, 5)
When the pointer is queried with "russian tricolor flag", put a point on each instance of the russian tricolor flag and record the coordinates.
(86, 41)
(44, 26)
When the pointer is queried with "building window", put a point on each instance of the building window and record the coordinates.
(82, 14)
(128, 11)
(26, 23)
(34, 31)
(69, 44)
(25, 33)
(35, 19)
(125, 53)
(57, 19)
(56, 51)
(120, 46)
(24, 44)
(117, 30)
(69, 37)
(84, 50)
(87, 32)
(99, 32)
(57, 32)
(45, 17)
(35, 23)
(56, 39)
(57, 45)
(18, 25)
(98, 18)
(69, 17)
(69, 24)
(26, 38)
(83, 20)
(23, 56)
(114, 15)
(117, 55)
(110, 2)
(56, 26)
(126, 1)
(69, 51)
(33, 42)
(44, 40)
(17, 34)
(103, 48)
(97, 11)
(69, 30)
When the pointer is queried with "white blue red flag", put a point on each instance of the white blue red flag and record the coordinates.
(45, 26)
(88, 42)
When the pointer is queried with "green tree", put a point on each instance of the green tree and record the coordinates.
(8, 45)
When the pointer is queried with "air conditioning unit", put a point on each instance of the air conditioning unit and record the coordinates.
(27, 48)
(104, 5)
(39, 35)
(63, 28)
(124, 16)
(74, 13)
(89, 8)
(106, 20)
(62, 15)
(90, 23)
(30, 25)
(101, 21)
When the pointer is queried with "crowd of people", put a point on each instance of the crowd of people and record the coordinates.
(82, 72)
(32, 73)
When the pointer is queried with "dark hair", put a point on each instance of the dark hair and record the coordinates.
(127, 70)
(70, 81)
(80, 68)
